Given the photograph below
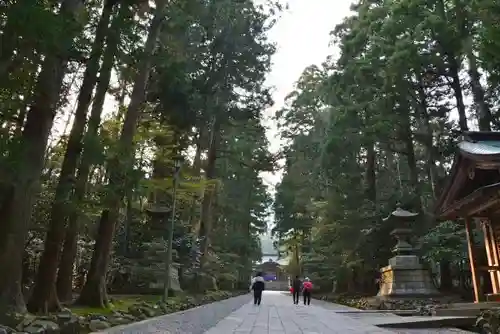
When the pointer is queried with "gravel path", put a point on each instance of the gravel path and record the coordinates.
(197, 320)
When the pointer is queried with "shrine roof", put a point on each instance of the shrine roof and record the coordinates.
(480, 148)
(475, 172)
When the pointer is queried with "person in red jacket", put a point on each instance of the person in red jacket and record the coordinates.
(306, 291)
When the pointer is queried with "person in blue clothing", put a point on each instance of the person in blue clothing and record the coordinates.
(258, 285)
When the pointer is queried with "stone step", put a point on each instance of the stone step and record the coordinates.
(431, 331)
(465, 309)
(493, 297)
(480, 305)
(457, 312)
(388, 320)
(427, 322)
(396, 312)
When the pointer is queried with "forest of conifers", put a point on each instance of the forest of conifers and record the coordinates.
(98, 98)
(376, 126)
(97, 101)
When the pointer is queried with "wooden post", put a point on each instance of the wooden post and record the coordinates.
(472, 258)
(494, 250)
(489, 254)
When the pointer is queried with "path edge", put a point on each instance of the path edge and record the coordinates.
(164, 315)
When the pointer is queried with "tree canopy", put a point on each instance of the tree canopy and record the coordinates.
(98, 99)
(375, 127)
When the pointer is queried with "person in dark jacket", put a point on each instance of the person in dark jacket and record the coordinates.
(257, 286)
(296, 286)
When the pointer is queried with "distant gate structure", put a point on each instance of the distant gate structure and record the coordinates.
(274, 275)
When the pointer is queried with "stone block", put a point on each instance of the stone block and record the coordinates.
(159, 274)
(405, 282)
(409, 261)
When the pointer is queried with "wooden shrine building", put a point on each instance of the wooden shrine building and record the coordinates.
(472, 195)
(271, 270)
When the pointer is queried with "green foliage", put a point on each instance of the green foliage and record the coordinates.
(205, 81)
(445, 242)
(375, 126)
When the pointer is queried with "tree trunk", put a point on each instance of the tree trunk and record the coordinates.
(94, 290)
(371, 190)
(161, 171)
(128, 223)
(30, 159)
(8, 39)
(428, 136)
(454, 68)
(193, 214)
(206, 207)
(28, 98)
(245, 259)
(351, 282)
(446, 278)
(94, 293)
(483, 111)
(64, 285)
(407, 138)
(44, 289)
(457, 91)
(296, 256)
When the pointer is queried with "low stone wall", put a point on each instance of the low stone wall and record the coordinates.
(67, 322)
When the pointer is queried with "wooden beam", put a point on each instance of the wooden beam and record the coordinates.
(489, 254)
(494, 249)
(488, 165)
(488, 203)
(474, 204)
(472, 259)
(488, 268)
(455, 181)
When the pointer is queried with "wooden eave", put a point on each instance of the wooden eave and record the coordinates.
(463, 162)
(480, 159)
(451, 179)
(481, 200)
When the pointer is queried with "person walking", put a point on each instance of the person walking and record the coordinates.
(296, 286)
(307, 290)
(258, 285)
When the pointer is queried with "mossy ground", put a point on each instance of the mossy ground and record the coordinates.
(119, 303)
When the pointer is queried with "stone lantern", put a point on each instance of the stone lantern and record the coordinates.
(158, 215)
(151, 267)
(404, 276)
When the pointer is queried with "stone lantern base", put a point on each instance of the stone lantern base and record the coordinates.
(159, 275)
(405, 277)
(151, 268)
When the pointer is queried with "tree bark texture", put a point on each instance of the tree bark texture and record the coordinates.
(64, 285)
(29, 157)
(94, 290)
(43, 297)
